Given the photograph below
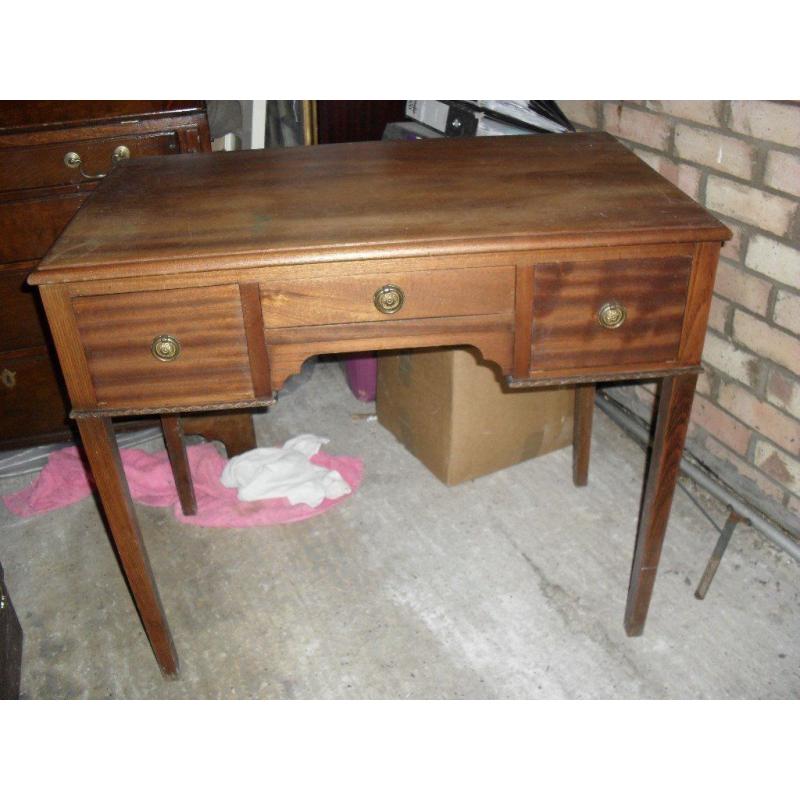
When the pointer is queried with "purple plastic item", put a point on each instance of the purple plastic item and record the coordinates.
(361, 370)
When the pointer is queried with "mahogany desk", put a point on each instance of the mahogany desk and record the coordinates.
(201, 282)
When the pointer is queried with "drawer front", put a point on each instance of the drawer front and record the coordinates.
(641, 302)
(352, 298)
(29, 227)
(20, 324)
(211, 366)
(25, 384)
(36, 167)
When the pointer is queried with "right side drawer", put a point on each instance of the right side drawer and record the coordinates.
(608, 312)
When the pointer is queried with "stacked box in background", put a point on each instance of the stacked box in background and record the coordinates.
(454, 412)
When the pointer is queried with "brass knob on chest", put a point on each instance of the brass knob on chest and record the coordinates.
(612, 314)
(165, 348)
(389, 299)
(120, 153)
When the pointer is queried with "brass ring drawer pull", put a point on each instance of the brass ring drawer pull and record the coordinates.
(612, 314)
(165, 348)
(74, 161)
(389, 299)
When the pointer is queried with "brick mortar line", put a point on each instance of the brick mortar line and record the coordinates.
(761, 148)
(758, 143)
(754, 431)
(751, 230)
(710, 170)
(772, 297)
(761, 437)
(787, 375)
(748, 459)
(749, 456)
(703, 458)
(759, 392)
(766, 437)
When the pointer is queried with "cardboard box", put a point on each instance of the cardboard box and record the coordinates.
(454, 412)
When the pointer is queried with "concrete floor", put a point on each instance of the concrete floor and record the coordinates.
(510, 586)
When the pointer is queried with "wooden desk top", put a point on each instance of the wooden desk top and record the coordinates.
(190, 213)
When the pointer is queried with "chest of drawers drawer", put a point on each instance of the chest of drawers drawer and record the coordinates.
(29, 226)
(160, 348)
(28, 382)
(389, 295)
(20, 325)
(46, 165)
(39, 195)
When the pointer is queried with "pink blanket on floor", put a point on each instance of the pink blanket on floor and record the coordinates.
(65, 481)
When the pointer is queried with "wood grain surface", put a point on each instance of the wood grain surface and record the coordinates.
(179, 460)
(372, 199)
(582, 433)
(250, 294)
(43, 165)
(568, 295)
(257, 260)
(20, 318)
(288, 348)
(27, 382)
(117, 332)
(25, 115)
(672, 422)
(350, 298)
(100, 446)
(30, 224)
(698, 302)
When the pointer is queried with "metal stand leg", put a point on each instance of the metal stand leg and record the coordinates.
(719, 550)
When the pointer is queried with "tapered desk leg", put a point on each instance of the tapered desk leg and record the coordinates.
(176, 449)
(674, 407)
(582, 433)
(101, 449)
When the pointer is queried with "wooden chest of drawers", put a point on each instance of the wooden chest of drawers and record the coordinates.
(39, 194)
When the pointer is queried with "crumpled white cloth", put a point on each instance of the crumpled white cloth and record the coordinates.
(270, 472)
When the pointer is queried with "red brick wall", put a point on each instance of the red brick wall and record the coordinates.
(741, 160)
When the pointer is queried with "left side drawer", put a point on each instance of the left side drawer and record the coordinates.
(204, 360)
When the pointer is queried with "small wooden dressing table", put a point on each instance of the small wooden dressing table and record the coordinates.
(201, 282)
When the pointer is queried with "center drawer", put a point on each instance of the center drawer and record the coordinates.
(157, 349)
(391, 295)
